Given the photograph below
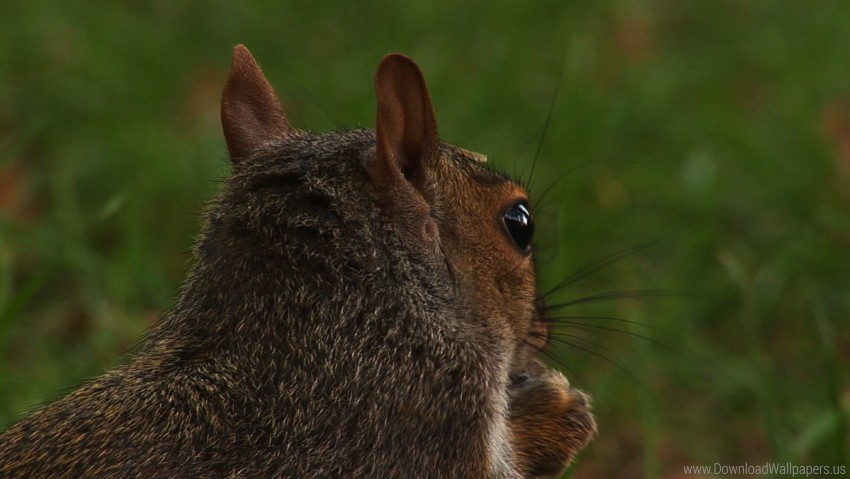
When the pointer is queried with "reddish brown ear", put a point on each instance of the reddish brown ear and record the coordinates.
(251, 114)
(406, 129)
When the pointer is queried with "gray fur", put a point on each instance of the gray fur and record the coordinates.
(311, 339)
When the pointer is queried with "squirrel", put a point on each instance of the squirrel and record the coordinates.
(363, 304)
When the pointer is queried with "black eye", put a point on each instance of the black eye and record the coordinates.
(520, 225)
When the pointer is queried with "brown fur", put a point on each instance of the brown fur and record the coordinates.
(357, 309)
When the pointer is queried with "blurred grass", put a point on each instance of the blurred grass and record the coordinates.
(718, 131)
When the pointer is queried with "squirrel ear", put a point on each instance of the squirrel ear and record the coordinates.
(405, 127)
(251, 114)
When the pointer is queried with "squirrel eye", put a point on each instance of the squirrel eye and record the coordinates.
(520, 225)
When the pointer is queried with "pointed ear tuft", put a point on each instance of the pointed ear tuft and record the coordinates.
(251, 114)
(406, 130)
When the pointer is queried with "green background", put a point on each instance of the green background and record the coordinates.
(703, 145)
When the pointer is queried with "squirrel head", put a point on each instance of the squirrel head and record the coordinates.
(461, 232)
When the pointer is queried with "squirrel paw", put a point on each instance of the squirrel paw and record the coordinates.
(550, 422)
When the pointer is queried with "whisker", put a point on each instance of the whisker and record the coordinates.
(536, 336)
(538, 200)
(560, 362)
(617, 295)
(612, 318)
(547, 123)
(587, 270)
(608, 360)
(594, 327)
(560, 336)
(572, 374)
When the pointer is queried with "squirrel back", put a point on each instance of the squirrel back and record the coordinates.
(363, 304)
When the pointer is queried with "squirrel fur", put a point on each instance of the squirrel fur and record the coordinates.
(357, 309)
